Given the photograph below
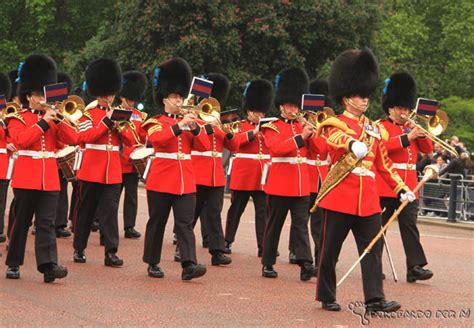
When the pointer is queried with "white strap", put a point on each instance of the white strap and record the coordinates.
(404, 166)
(3, 150)
(252, 156)
(176, 156)
(37, 154)
(289, 160)
(208, 153)
(363, 172)
(11, 166)
(102, 147)
(317, 162)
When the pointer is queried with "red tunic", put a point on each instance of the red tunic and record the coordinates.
(137, 119)
(357, 194)
(318, 164)
(207, 159)
(403, 154)
(101, 159)
(172, 175)
(246, 172)
(284, 141)
(36, 140)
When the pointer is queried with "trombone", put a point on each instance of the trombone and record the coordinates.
(435, 125)
(318, 120)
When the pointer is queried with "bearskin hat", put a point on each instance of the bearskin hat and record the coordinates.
(258, 96)
(134, 85)
(291, 84)
(13, 75)
(36, 72)
(220, 89)
(321, 87)
(171, 76)
(354, 72)
(5, 86)
(64, 77)
(400, 90)
(103, 77)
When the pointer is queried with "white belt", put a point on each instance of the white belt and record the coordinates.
(37, 154)
(317, 162)
(102, 147)
(176, 156)
(289, 160)
(404, 166)
(206, 153)
(363, 172)
(252, 156)
(3, 150)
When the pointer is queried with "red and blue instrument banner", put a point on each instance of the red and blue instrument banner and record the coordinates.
(313, 102)
(426, 106)
(201, 87)
(55, 92)
(3, 102)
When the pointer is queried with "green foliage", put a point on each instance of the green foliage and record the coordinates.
(461, 117)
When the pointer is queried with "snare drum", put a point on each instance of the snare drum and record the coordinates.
(141, 159)
(65, 159)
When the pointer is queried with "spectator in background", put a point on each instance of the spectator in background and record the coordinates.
(441, 163)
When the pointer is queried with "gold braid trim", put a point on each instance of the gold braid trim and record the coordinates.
(144, 116)
(17, 116)
(150, 121)
(87, 114)
(155, 128)
(271, 126)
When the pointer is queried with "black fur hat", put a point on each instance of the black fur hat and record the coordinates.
(354, 72)
(400, 90)
(13, 76)
(171, 76)
(220, 89)
(5, 86)
(103, 77)
(64, 77)
(258, 96)
(134, 85)
(321, 87)
(36, 72)
(291, 84)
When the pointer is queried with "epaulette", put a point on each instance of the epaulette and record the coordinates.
(17, 116)
(87, 114)
(382, 130)
(271, 126)
(151, 121)
(144, 116)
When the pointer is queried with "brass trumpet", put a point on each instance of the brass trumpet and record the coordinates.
(318, 120)
(71, 108)
(12, 108)
(435, 125)
(208, 110)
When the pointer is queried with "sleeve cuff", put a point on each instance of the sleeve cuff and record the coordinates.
(299, 141)
(404, 140)
(208, 128)
(43, 125)
(250, 136)
(176, 129)
(108, 122)
(196, 130)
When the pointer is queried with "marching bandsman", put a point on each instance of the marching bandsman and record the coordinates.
(351, 202)
(5, 90)
(171, 181)
(100, 175)
(133, 90)
(248, 162)
(287, 184)
(35, 180)
(403, 145)
(318, 165)
(210, 181)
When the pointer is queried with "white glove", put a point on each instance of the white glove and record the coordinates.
(409, 195)
(359, 149)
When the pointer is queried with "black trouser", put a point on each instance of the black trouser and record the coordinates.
(159, 206)
(63, 203)
(278, 207)
(336, 226)
(74, 202)
(90, 195)
(202, 217)
(213, 198)
(3, 203)
(130, 184)
(316, 224)
(408, 230)
(11, 216)
(239, 201)
(42, 204)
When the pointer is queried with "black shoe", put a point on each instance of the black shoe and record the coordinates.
(418, 273)
(177, 255)
(33, 230)
(79, 257)
(112, 260)
(331, 306)
(62, 233)
(175, 239)
(13, 273)
(193, 271)
(260, 252)
(3, 238)
(308, 270)
(227, 247)
(155, 271)
(292, 258)
(220, 259)
(132, 233)
(382, 306)
(55, 272)
(269, 272)
(95, 226)
(205, 243)
(101, 239)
